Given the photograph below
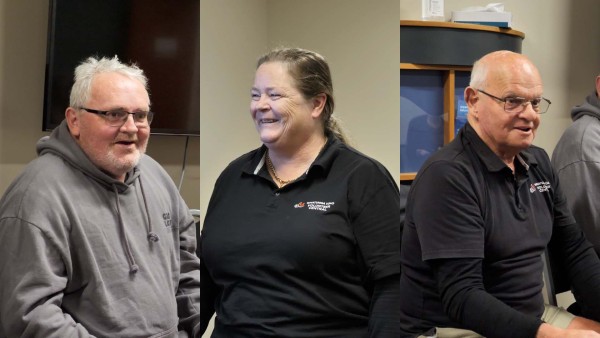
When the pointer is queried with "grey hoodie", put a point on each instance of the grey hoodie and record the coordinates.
(576, 159)
(85, 255)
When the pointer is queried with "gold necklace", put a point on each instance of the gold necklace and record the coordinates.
(271, 168)
(274, 173)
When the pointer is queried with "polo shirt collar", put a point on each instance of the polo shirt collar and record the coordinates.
(323, 162)
(492, 162)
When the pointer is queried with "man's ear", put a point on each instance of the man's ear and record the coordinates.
(318, 104)
(471, 96)
(73, 120)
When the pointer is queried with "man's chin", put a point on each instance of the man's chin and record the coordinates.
(126, 163)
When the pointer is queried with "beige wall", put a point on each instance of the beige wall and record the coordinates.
(561, 38)
(232, 34)
(23, 28)
(359, 40)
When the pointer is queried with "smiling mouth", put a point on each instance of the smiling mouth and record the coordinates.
(125, 143)
(267, 121)
(524, 129)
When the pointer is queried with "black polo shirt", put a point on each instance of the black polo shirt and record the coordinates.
(300, 261)
(466, 204)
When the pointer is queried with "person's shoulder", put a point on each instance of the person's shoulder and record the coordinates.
(45, 170)
(349, 153)
(453, 154)
(350, 159)
(579, 130)
(241, 163)
(37, 186)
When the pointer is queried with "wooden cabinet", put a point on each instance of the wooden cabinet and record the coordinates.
(435, 65)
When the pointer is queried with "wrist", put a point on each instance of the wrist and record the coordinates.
(547, 331)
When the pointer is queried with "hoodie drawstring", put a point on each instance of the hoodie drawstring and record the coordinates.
(152, 237)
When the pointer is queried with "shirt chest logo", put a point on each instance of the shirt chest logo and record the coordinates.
(540, 187)
(314, 205)
(167, 219)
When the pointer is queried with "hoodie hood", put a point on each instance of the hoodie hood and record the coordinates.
(591, 107)
(62, 144)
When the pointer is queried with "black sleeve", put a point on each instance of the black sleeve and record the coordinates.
(375, 220)
(207, 296)
(466, 302)
(570, 247)
(384, 312)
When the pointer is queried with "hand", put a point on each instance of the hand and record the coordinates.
(549, 331)
(580, 323)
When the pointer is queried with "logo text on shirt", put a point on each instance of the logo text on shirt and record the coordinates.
(315, 205)
(167, 219)
(539, 186)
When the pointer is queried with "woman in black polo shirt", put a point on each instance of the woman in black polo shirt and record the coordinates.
(302, 235)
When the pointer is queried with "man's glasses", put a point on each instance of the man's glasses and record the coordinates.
(118, 117)
(517, 104)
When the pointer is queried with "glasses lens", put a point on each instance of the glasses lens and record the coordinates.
(116, 117)
(149, 117)
(517, 105)
(513, 104)
(140, 117)
(544, 105)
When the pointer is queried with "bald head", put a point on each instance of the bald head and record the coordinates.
(501, 67)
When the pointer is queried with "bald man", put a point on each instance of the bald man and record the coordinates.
(480, 214)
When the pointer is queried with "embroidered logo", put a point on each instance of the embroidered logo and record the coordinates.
(314, 205)
(539, 186)
(167, 219)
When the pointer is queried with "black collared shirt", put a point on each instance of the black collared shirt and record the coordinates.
(467, 210)
(301, 260)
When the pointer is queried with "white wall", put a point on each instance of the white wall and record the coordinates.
(23, 29)
(561, 38)
(360, 40)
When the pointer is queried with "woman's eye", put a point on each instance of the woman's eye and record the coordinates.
(274, 95)
(255, 96)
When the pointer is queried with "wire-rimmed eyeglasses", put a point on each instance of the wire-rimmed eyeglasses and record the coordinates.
(118, 117)
(515, 104)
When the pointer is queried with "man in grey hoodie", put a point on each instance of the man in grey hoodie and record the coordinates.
(95, 240)
(576, 159)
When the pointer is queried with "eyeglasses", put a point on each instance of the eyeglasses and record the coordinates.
(513, 104)
(118, 117)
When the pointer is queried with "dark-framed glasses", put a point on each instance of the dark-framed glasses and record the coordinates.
(515, 104)
(118, 117)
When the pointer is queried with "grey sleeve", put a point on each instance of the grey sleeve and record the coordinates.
(579, 182)
(32, 280)
(188, 291)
